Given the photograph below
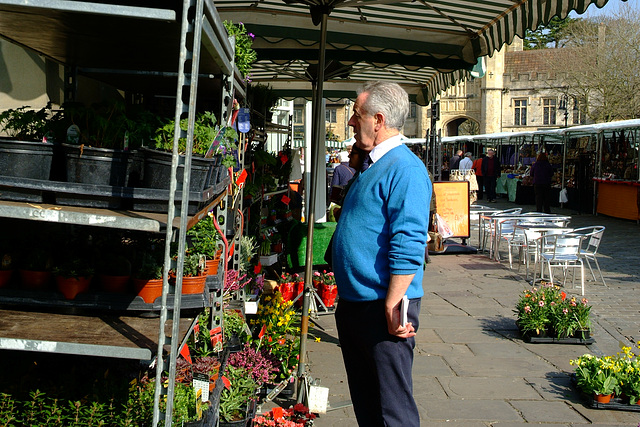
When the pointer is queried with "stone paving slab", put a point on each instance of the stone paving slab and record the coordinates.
(492, 366)
(546, 412)
(487, 388)
(467, 410)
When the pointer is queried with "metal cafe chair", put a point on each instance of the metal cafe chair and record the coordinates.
(592, 236)
(561, 251)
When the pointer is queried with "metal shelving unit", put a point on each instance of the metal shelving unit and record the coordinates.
(168, 49)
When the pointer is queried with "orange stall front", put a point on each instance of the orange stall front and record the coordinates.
(618, 198)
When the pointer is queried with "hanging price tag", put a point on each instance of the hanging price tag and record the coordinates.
(244, 120)
(285, 200)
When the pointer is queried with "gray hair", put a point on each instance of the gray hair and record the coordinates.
(468, 154)
(390, 99)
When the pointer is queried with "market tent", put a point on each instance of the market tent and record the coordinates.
(423, 45)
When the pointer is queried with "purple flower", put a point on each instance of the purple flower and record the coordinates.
(253, 36)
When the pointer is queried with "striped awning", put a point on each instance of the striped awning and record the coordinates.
(424, 45)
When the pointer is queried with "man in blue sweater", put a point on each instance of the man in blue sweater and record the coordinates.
(378, 257)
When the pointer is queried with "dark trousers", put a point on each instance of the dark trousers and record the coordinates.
(543, 197)
(490, 187)
(480, 192)
(378, 364)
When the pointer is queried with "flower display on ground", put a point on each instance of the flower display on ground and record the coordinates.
(618, 375)
(547, 310)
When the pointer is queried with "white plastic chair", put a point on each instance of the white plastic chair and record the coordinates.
(563, 251)
(526, 241)
(489, 231)
(591, 242)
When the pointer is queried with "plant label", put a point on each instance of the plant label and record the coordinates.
(201, 386)
(244, 120)
(318, 398)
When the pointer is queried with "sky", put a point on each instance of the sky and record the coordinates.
(611, 7)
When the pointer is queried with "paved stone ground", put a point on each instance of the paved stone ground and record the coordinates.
(471, 366)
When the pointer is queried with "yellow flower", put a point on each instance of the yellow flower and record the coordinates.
(318, 339)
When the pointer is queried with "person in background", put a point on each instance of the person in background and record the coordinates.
(378, 257)
(477, 167)
(454, 163)
(490, 174)
(466, 163)
(343, 172)
(542, 172)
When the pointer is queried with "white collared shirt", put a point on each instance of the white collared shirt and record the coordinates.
(384, 147)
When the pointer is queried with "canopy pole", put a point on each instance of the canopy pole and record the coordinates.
(312, 186)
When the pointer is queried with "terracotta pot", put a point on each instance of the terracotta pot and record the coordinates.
(5, 277)
(37, 280)
(212, 265)
(193, 284)
(602, 398)
(72, 286)
(116, 284)
(148, 289)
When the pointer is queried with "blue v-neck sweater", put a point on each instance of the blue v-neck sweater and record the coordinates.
(383, 227)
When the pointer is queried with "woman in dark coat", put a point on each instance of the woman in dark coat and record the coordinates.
(541, 172)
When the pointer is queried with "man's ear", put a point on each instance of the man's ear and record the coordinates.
(379, 121)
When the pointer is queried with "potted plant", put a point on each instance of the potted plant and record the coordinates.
(596, 376)
(27, 151)
(147, 279)
(6, 267)
(297, 415)
(193, 274)
(35, 268)
(73, 276)
(234, 330)
(204, 239)
(245, 56)
(262, 99)
(107, 135)
(328, 289)
(114, 272)
(157, 161)
(235, 399)
(257, 362)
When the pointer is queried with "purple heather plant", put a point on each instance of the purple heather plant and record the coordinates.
(256, 362)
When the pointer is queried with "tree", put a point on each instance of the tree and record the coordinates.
(599, 65)
(554, 34)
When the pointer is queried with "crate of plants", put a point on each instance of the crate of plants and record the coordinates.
(609, 382)
(546, 315)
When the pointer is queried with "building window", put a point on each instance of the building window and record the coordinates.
(549, 111)
(330, 115)
(520, 118)
(412, 110)
(298, 115)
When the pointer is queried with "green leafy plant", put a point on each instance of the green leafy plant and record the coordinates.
(248, 250)
(235, 399)
(596, 374)
(204, 134)
(245, 56)
(149, 267)
(194, 265)
(204, 238)
(233, 325)
(27, 125)
(74, 267)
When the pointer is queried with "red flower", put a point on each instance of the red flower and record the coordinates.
(563, 295)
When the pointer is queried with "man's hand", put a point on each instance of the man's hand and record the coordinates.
(394, 326)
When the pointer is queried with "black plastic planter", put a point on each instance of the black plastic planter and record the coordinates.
(97, 166)
(157, 171)
(21, 159)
